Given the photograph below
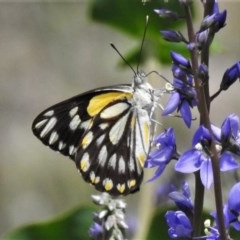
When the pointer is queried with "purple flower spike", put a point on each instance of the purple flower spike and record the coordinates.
(230, 76)
(179, 224)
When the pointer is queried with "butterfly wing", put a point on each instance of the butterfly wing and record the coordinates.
(112, 152)
(104, 133)
(62, 126)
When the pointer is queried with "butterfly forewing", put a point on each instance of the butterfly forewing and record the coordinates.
(61, 126)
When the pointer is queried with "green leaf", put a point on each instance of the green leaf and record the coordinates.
(73, 225)
(129, 17)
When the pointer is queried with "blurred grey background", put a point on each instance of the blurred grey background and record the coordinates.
(52, 51)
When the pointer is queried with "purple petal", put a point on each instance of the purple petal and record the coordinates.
(179, 224)
(179, 60)
(172, 36)
(201, 134)
(230, 126)
(216, 132)
(206, 173)
(233, 197)
(189, 162)
(186, 113)
(172, 104)
(158, 173)
(227, 162)
(163, 155)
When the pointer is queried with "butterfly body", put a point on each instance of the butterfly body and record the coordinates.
(106, 131)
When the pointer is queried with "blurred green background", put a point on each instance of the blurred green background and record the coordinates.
(50, 51)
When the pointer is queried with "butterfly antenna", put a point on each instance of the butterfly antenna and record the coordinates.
(114, 47)
(143, 39)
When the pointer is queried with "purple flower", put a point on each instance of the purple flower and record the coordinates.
(234, 206)
(229, 140)
(164, 152)
(198, 158)
(179, 224)
(214, 22)
(184, 95)
(183, 200)
(230, 76)
(96, 231)
(212, 233)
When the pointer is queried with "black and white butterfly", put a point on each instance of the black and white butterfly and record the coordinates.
(106, 131)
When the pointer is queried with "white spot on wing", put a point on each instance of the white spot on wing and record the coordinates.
(74, 123)
(48, 113)
(48, 127)
(112, 161)
(114, 110)
(72, 150)
(103, 155)
(41, 123)
(53, 137)
(86, 124)
(103, 126)
(117, 129)
(121, 165)
(61, 145)
(73, 112)
(131, 164)
(100, 140)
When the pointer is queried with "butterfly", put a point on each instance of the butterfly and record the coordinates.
(107, 132)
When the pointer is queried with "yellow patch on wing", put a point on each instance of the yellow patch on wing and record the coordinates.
(141, 158)
(85, 163)
(146, 134)
(133, 122)
(98, 102)
(87, 140)
(94, 179)
(131, 183)
(108, 184)
(121, 187)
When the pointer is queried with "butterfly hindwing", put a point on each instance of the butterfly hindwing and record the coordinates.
(112, 151)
